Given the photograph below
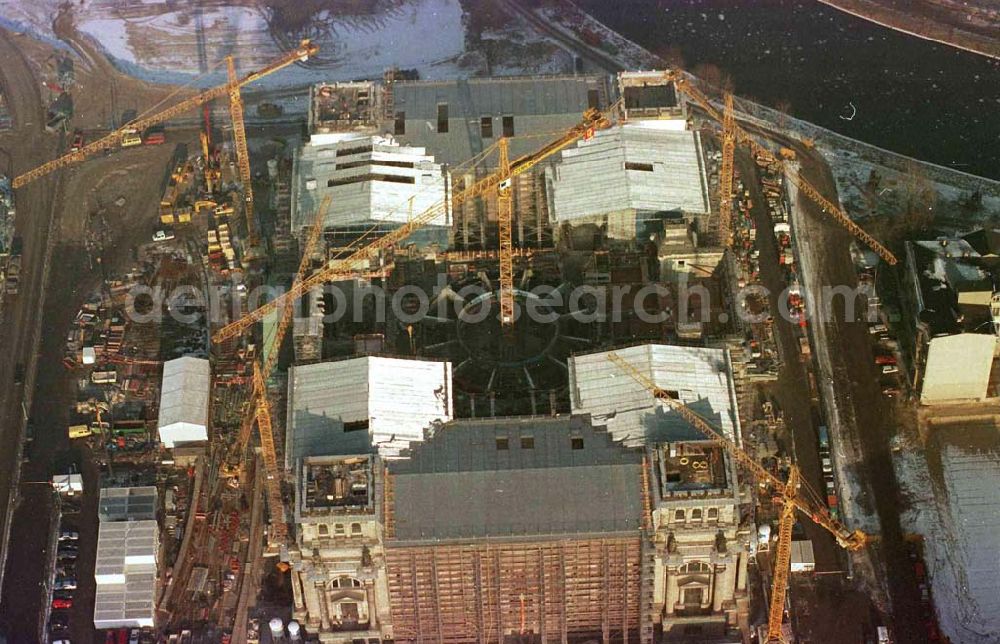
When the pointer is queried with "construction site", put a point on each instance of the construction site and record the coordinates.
(498, 359)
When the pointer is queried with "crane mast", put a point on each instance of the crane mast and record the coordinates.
(505, 213)
(807, 189)
(344, 268)
(114, 139)
(726, 174)
(242, 153)
(782, 562)
(272, 482)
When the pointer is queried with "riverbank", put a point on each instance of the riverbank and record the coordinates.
(925, 25)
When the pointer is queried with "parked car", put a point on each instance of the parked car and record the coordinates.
(163, 235)
(58, 622)
(65, 583)
(890, 368)
(69, 535)
(134, 637)
(63, 594)
(884, 359)
(62, 603)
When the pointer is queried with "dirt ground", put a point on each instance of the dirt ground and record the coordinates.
(58, 272)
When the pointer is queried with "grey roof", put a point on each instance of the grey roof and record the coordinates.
(459, 484)
(127, 503)
(539, 105)
(702, 378)
(631, 167)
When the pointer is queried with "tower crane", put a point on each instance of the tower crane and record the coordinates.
(343, 268)
(790, 493)
(726, 174)
(505, 213)
(259, 409)
(232, 88)
(242, 154)
(744, 138)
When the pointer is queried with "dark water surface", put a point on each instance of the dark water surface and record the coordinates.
(913, 96)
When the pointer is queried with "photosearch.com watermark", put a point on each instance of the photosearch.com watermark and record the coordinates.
(653, 303)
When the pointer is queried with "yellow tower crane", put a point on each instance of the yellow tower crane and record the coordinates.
(726, 174)
(347, 267)
(744, 138)
(231, 88)
(793, 494)
(259, 408)
(505, 215)
(242, 153)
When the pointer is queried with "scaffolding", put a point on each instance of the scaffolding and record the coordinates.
(549, 591)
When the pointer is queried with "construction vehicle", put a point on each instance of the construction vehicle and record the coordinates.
(347, 267)
(77, 141)
(761, 151)
(793, 494)
(130, 138)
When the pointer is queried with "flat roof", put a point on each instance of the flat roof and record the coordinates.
(958, 367)
(692, 466)
(337, 484)
(539, 105)
(127, 503)
(125, 572)
(516, 477)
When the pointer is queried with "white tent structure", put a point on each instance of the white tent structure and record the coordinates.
(184, 401)
(125, 571)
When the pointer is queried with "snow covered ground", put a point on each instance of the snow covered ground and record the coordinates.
(159, 40)
(961, 525)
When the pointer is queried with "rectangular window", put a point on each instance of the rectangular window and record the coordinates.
(644, 167)
(576, 442)
(356, 426)
(399, 127)
(346, 152)
(361, 178)
(503, 444)
(593, 99)
(508, 126)
(442, 118)
(486, 127)
(527, 442)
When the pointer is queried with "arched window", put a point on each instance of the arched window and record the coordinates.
(695, 567)
(679, 515)
(324, 530)
(696, 514)
(355, 528)
(346, 582)
(713, 514)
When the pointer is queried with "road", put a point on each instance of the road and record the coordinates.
(20, 331)
(862, 416)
